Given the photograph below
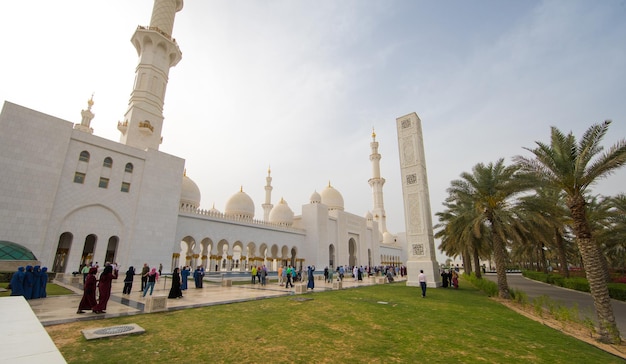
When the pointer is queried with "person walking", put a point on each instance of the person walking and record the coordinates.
(289, 274)
(153, 277)
(88, 302)
(175, 291)
(128, 280)
(279, 274)
(144, 278)
(311, 278)
(104, 288)
(326, 274)
(422, 279)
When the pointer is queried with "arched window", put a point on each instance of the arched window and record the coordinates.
(129, 168)
(108, 162)
(84, 156)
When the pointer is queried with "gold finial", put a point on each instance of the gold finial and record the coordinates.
(241, 188)
(329, 184)
(373, 133)
(269, 169)
(185, 172)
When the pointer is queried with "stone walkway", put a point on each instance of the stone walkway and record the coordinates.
(62, 309)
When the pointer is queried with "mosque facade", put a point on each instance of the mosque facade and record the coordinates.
(72, 197)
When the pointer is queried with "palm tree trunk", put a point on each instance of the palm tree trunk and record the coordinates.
(500, 256)
(590, 253)
(479, 273)
(560, 245)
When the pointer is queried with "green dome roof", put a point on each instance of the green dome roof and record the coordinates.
(12, 251)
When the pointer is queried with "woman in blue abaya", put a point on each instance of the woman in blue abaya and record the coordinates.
(28, 282)
(43, 282)
(184, 276)
(36, 278)
(311, 282)
(17, 282)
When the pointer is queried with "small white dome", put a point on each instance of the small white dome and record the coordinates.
(281, 214)
(240, 205)
(388, 238)
(189, 193)
(214, 211)
(315, 197)
(332, 198)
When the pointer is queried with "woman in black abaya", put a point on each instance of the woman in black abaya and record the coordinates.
(175, 291)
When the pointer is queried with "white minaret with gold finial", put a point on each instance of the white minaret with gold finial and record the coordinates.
(87, 116)
(267, 206)
(158, 52)
(377, 183)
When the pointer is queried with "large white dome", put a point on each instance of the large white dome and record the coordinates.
(332, 198)
(240, 205)
(189, 193)
(281, 214)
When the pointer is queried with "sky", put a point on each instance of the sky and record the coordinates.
(298, 86)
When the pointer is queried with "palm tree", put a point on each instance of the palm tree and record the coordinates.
(614, 239)
(491, 189)
(546, 210)
(458, 236)
(567, 165)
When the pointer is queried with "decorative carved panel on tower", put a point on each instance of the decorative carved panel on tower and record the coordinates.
(417, 249)
(406, 123)
(408, 151)
(411, 179)
(415, 215)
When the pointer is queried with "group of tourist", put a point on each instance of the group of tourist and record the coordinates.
(101, 285)
(259, 274)
(449, 278)
(29, 282)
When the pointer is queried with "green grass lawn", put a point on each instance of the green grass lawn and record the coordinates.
(375, 324)
(51, 290)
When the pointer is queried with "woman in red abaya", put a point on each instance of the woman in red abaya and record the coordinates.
(89, 292)
(104, 288)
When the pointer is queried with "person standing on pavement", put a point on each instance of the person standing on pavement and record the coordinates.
(422, 279)
(104, 288)
(153, 277)
(144, 278)
(88, 302)
(128, 280)
(175, 291)
(184, 277)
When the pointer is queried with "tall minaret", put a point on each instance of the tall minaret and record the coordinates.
(376, 182)
(267, 206)
(87, 116)
(157, 52)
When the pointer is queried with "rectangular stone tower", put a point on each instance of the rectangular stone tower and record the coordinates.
(418, 220)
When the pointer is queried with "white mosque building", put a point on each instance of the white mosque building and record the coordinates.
(71, 197)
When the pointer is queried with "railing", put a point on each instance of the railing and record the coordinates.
(240, 219)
